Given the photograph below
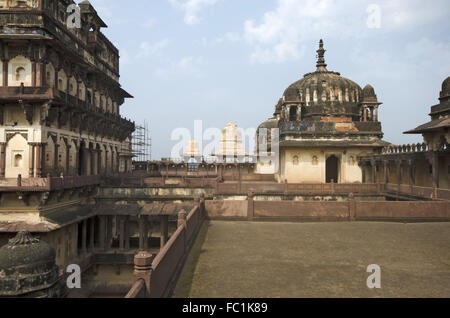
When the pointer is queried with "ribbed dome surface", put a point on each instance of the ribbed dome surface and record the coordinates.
(323, 87)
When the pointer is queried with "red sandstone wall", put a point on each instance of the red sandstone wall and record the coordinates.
(226, 209)
(289, 209)
(390, 209)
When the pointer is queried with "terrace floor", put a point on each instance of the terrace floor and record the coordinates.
(258, 260)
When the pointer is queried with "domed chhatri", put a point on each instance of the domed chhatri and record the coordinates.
(323, 86)
(325, 121)
(28, 269)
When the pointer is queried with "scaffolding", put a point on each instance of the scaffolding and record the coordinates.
(141, 143)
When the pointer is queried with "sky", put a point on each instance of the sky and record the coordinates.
(224, 61)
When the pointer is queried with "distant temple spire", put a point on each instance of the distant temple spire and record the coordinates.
(321, 65)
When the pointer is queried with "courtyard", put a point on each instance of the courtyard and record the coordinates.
(296, 260)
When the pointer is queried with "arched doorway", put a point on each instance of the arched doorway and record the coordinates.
(332, 169)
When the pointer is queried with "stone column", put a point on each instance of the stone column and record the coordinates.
(43, 170)
(33, 73)
(250, 206)
(68, 159)
(374, 171)
(2, 159)
(376, 114)
(412, 168)
(109, 229)
(141, 232)
(106, 161)
(127, 232)
(435, 168)
(399, 173)
(84, 237)
(122, 233)
(56, 159)
(5, 72)
(39, 161)
(386, 172)
(164, 229)
(92, 235)
(102, 232)
(99, 161)
(92, 161)
(31, 160)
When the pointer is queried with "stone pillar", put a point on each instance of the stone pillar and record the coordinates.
(2, 159)
(250, 206)
(164, 229)
(102, 232)
(92, 236)
(109, 234)
(141, 233)
(56, 158)
(412, 168)
(31, 158)
(92, 161)
(5, 72)
(386, 172)
(99, 161)
(147, 230)
(122, 233)
(374, 171)
(68, 158)
(39, 160)
(376, 113)
(43, 171)
(33, 73)
(127, 232)
(399, 172)
(84, 237)
(42, 78)
(435, 169)
(106, 161)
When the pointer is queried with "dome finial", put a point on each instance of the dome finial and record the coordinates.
(321, 65)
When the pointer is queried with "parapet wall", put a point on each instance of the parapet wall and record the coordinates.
(350, 210)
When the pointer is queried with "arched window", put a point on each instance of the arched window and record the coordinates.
(295, 161)
(293, 113)
(20, 74)
(315, 160)
(18, 161)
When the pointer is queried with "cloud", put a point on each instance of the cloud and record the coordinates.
(192, 8)
(229, 37)
(146, 49)
(281, 32)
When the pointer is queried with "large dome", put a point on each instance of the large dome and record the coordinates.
(323, 87)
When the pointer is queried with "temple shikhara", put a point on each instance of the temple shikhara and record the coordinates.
(72, 194)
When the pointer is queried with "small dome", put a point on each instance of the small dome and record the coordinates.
(445, 88)
(368, 91)
(269, 123)
(27, 265)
